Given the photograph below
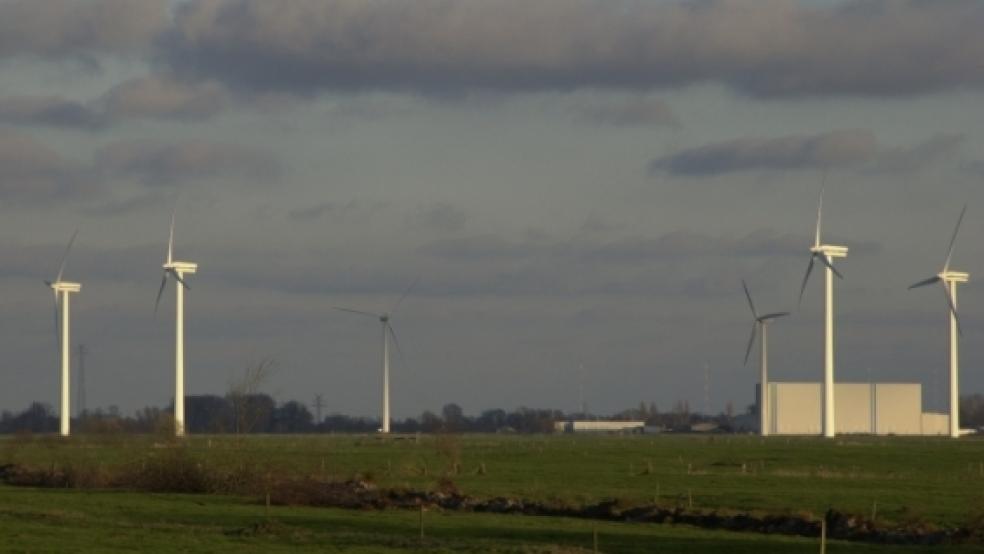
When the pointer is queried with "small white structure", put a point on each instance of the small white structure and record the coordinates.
(577, 426)
(861, 408)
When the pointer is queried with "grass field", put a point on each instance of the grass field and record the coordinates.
(898, 480)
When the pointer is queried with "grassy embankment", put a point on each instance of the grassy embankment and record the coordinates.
(898, 480)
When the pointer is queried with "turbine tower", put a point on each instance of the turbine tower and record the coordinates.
(825, 253)
(761, 323)
(949, 279)
(178, 270)
(384, 319)
(63, 290)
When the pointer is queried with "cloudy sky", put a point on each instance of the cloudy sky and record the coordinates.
(578, 185)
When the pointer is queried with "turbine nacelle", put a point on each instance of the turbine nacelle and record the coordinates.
(954, 276)
(181, 267)
(64, 286)
(830, 250)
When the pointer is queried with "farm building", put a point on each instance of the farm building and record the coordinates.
(859, 408)
(578, 426)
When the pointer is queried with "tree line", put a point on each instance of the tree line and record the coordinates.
(248, 412)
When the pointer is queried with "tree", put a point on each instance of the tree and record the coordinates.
(454, 419)
(251, 410)
(292, 417)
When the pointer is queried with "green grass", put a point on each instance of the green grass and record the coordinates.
(34, 520)
(934, 480)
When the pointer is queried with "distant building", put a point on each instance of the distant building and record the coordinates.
(859, 408)
(577, 426)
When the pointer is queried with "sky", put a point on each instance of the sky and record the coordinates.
(578, 187)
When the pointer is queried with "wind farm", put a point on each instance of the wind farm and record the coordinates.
(491, 276)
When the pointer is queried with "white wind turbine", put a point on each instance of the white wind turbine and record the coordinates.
(178, 270)
(62, 290)
(384, 319)
(825, 253)
(949, 280)
(761, 322)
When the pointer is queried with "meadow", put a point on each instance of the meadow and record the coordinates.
(895, 481)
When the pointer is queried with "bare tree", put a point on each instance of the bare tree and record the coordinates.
(244, 395)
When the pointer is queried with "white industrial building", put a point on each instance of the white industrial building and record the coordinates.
(860, 408)
(582, 426)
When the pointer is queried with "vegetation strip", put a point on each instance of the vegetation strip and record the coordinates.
(361, 494)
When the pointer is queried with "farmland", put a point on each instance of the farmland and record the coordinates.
(896, 482)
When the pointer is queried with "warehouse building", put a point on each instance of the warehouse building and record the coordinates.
(859, 408)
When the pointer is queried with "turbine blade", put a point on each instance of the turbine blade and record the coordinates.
(774, 315)
(953, 239)
(396, 343)
(178, 278)
(57, 324)
(160, 292)
(170, 238)
(925, 282)
(806, 278)
(823, 184)
(405, 293)
(751, 342)
(355, 311)
(827, 263)
(953, 309)
(64, 259)
(748, 295)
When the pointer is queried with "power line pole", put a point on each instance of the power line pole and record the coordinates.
(707, 389)
(318, 402)
(82, 352)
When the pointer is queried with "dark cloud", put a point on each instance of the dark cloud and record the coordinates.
(637, 110)
(153, 96)
(833, 149)
(30, 171)
(767, 48)
(162, 97)
(49, 111)
(76, 29)
(156, 163)
(912, 158)
(820, 151)
(440, 216)
(677, 245)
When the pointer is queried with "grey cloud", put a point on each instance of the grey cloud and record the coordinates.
(49, 111)
(636, 110)
(157, 163)
(153, 96)
(629, 250)
(912, 158)
(30, 171)
(440, 216)
(162, 97)
(352, 208)
(833, 149)
(75, 29)
(767, 48)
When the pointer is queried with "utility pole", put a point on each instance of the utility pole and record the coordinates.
(318, 402)
(707, 389)
(82, 352)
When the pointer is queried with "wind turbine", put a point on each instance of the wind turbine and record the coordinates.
(825, 253)
(62, 290)
(949, 280)
(384, 319)
(761, 322)
(178, 270)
